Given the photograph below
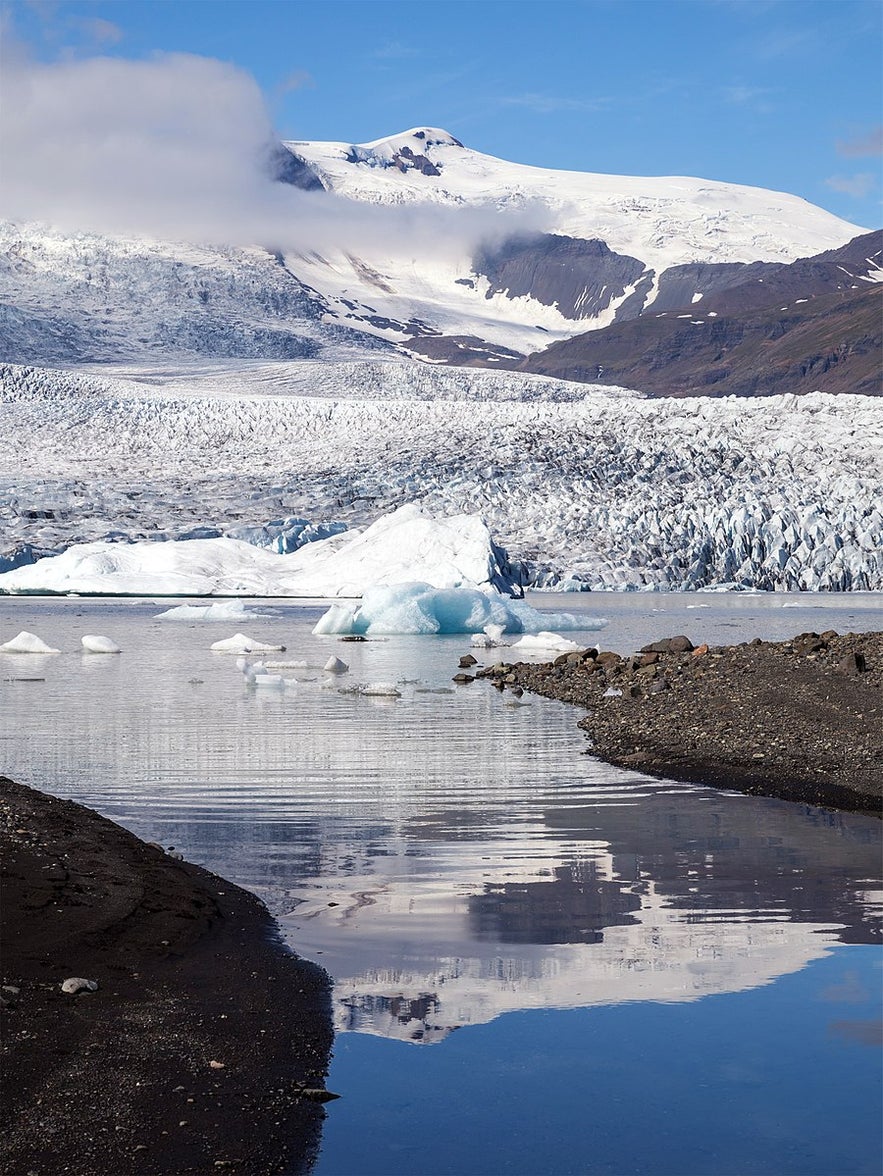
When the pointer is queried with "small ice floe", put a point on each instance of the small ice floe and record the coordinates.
(240, 643)
(381, 690)
(372, 690)
(227, 610)
(489, 638)
(546, 641)
(335, 666)
(286, 665)
(75, 984)
(268, 681)
(27, 643)
(93, 643)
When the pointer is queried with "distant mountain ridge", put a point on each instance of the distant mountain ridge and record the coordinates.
(667, 285)
(814, 324)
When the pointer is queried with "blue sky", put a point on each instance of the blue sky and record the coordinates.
(783, 94)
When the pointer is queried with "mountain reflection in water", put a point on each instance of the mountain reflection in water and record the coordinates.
(447, 858)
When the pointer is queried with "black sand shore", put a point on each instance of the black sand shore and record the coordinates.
(204, 1048)
(801, 720)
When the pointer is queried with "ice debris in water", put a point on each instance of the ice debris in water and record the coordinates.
(27, 643)
(546, 642)
(94, 643)
(380, 690)
(240, 644)
(420, 608)
(489, 638)
(227, 610)
(335, 666)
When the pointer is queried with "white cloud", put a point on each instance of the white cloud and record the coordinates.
(862, 145)
(549, 104)
(174, 147)
(858, 185)
(98, 30)
(745, 95)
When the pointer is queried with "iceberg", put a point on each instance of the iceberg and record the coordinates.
(227, 610)
(94, 643)
(334, 665)
(545, 643)
(404, 546)
(239, 643)
(421, 608)
(26, 642)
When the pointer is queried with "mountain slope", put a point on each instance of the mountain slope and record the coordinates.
(560, 251)
(812, 325)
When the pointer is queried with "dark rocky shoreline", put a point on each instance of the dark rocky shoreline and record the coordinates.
(801, 719)
(204, 1048)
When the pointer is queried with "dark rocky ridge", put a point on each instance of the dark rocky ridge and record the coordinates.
(830, 344)
(801, 719)
(121, 1080)
(762, 329)
(581, 278)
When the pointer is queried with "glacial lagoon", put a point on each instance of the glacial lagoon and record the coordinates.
(542, 964)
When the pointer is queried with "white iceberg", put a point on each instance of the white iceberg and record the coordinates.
(546, 642)
(93, 643)
(420, 608)
(335, 666)
(404, 546)
(227, 610)
(489, 638)
(239, 643)
(27, 643)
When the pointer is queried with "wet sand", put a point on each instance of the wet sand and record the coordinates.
(204, 1048)
(800, 719)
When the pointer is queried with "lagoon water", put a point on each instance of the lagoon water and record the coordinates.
(542, 964)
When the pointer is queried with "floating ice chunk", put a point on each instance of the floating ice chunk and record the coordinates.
(335, 666)
(420, 608)
(287, 665)
(273, 681)
(27, 643)
(340, 618)
(612, 692)
(381, 690)
(489, 638)
(227, 610)
(546, 641)
(239, 643)
(93, 643)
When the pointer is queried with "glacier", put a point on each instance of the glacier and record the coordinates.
(586, 489)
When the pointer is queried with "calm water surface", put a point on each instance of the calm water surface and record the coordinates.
(542, 964)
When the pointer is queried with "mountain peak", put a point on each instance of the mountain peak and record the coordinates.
(416, 137)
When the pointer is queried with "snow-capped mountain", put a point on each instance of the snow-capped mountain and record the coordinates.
(279, 395)
(441, 252)
(562, 252)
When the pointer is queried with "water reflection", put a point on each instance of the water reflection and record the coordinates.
(446, 857)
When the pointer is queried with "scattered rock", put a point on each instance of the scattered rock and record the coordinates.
(467, 661)
(814, 704)
(853, 663)
(669, 645)
(75, 984)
